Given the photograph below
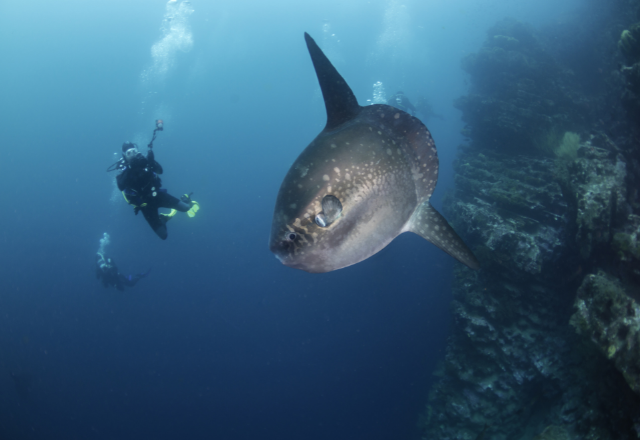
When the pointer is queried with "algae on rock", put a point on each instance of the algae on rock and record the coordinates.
(611, 318)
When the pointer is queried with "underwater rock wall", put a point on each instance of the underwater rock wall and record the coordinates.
(518, 102)
(546, 336)
(611, 318)
(509, 203)
(629, 45)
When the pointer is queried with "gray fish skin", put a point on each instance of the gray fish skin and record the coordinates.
(380, 162)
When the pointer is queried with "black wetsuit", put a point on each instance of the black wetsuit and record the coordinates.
(107, 272)
(140, 183)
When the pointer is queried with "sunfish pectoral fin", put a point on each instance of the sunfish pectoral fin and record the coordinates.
(432, 226)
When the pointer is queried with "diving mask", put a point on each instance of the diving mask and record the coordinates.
(131, 154)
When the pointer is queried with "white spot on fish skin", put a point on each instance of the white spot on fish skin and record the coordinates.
(325, 178)
(347, 176)
(379, 132)
(337, 170)
(293, 206)
(334, 146)
(389, 152)
(396, 116)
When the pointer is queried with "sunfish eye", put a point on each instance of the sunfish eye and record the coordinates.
(331, 211)
(290, 236)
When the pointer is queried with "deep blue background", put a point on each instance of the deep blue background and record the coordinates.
(221, 341)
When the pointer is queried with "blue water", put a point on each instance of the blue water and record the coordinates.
(220, 341)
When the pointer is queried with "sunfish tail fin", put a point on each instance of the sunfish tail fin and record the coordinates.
(433, 227)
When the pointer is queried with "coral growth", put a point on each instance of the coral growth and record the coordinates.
(611, 319)
(629, 43)
(626, 242)
(595, 188)
(568, 148)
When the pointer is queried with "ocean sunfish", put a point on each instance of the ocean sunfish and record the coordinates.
(366, 178)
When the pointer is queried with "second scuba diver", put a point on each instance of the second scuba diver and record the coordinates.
(140, 184)
(400, 100)
(107, 271)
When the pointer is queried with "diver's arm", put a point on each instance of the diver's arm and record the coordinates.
(121, 180)
(153, 164)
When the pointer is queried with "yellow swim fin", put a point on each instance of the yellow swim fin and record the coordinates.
(194, 208)
(166, 217)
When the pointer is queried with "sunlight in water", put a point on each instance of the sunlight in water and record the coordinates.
(393, 40)
(176, 37)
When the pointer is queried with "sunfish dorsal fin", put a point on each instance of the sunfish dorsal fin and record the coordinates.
(339, 100)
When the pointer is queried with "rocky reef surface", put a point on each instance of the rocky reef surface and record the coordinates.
(517, 102)
(546, 336)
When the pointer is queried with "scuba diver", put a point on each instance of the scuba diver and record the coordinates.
(399, 100)
(107, 271)
(140, 185)
(424, 108)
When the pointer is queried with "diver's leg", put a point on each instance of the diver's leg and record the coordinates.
(182, 207)
(128, 280)
(166, 200)
(154, 220)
